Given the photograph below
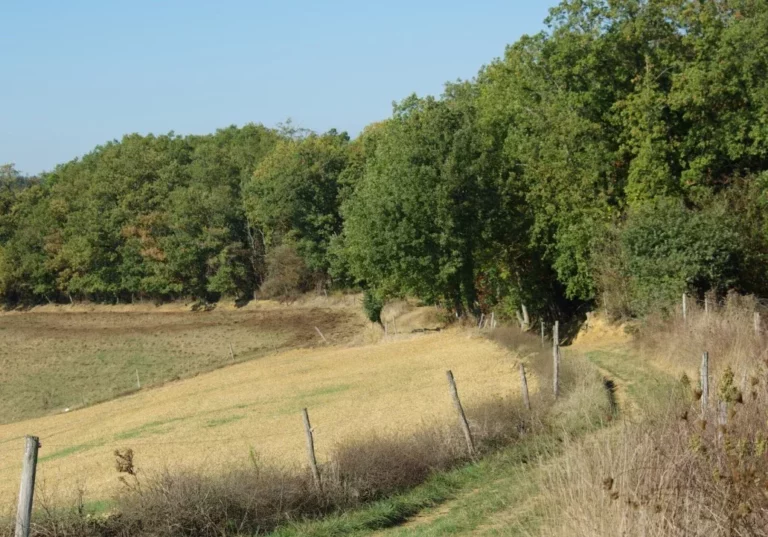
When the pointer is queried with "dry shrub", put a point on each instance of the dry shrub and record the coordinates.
(521, 342)
(371, 468)
(287, 274)
(374, 467)
(578, 378)
(678, 472)
(240, 500)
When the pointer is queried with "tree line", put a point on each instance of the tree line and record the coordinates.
(618, 156)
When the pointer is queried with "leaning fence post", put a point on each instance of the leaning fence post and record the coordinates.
(704, 383)
(556, 356)
(311, 450)
(526, 318)
(321, 335)
(757, 323)
(460, 411)
(27, 487)
(524, 386)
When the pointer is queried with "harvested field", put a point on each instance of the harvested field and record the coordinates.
(54, 358)
(253, 409)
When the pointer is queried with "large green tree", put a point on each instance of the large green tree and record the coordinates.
(294, 194)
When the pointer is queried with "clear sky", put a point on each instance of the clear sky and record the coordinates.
(76, 74)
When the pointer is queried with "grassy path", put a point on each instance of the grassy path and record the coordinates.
(499, 496)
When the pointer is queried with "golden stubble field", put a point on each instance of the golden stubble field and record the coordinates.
(228, 415)
(58, 357)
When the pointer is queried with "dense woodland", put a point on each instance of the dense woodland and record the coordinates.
(621, 156)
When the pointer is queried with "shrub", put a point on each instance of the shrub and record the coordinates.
(287, 275)
(372, 305)
(662, 250)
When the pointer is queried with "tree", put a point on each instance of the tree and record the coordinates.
(294, 195)
(670, 249)
(414, 223)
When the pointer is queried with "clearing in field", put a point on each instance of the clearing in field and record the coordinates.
(253, 410)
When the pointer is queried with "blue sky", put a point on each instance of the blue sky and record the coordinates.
(78, 73)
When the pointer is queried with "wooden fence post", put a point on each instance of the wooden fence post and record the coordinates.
(685, 307)
(231, 352)
(526, 318)
(756, 322)
(321, 334)
(704, 383)
(524, 386)
(743, 385)
(556, 357)
(519, 319)
(138, 380)
(27, 487)
(311, 451)
(460, 411)
(706, 306)
(542, 332)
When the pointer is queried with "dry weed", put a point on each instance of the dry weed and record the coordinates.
(681, 471)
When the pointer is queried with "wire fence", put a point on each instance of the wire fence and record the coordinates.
(85, 447)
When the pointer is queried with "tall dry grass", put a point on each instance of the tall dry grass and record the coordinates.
(726, 331)
(678, 471)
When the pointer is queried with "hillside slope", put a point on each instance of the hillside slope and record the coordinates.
(253, 409)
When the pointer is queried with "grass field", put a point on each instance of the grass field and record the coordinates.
(253, 409)
(53, 358)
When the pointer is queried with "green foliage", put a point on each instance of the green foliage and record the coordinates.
(373, 303)
(727, 390)
(619, 156)
(147, 217)
(423, 213)
(293, 196)
(670, 249)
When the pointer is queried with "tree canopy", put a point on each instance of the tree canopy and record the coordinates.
(601, 157)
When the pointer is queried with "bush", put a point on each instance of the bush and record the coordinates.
(662, 250)
(287, 274)
(372, 305)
